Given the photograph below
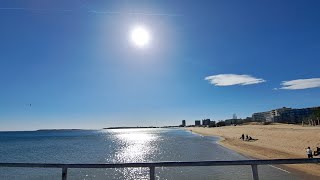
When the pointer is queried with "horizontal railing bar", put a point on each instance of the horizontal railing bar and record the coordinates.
(165, 164)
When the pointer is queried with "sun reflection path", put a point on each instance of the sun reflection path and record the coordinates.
(135, 145)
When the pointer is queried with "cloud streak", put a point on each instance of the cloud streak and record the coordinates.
(301, 84)
(233, 79)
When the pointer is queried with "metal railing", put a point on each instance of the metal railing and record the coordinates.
(152, 165)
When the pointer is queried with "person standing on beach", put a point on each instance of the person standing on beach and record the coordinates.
(309, 152)
(242, 137)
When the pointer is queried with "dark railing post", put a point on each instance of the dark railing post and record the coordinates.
(255, 174)
(64, 173)
(152, 174)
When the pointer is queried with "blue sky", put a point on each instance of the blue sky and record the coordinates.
(75, 64)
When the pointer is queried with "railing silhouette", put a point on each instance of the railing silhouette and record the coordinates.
(152, 165)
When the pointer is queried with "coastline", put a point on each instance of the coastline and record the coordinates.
(273, 142)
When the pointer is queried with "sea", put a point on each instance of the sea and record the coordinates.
(122, 146)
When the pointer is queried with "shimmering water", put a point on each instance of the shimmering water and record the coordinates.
(119, 146)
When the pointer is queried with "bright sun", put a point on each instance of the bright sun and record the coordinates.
(140, 36)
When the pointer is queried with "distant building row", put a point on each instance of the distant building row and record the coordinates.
(281, 115)
(205, 122)
(284, 115)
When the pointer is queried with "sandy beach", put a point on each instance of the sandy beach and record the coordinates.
(273, 142)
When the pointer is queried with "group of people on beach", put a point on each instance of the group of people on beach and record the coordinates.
(315, 153)
(246, 137)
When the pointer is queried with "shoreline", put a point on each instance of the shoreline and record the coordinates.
(267, 146)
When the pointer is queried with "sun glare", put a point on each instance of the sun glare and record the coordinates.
(140, 36)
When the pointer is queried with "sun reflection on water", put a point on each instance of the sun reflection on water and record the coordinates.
(135, 145)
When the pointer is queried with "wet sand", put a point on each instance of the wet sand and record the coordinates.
(278, 141)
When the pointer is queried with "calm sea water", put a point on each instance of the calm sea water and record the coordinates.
(119, 146)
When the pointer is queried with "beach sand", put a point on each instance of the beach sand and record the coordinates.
(276, 141)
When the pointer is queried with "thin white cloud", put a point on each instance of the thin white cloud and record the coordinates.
(233, 79)
(301, 84)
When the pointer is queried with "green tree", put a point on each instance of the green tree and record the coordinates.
(315, 117)
(316, 112)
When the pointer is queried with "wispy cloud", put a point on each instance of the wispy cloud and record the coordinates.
(301, 84)
(233, 79)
